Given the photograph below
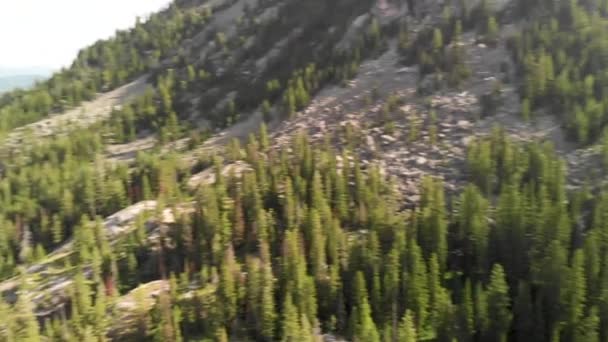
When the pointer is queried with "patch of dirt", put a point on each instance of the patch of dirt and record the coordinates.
(58, 278)
(208, 176)
(126, 307)
(240, 130)
(127, 152)
(150, 291)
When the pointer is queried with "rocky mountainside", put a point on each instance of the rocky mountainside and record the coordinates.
(360, 170)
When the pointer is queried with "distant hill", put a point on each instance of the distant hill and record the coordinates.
(12, 78)
(15, 71)
(18, 81)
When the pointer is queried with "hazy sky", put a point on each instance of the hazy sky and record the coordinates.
(49, 33)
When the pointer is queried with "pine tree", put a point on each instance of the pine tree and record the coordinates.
(523, 312)
(499, 313)
(435, 289)
(317, 246)
(466, 321)
(252, 291)
(221, 335)
(576, 294)
(7, 326)
(238, 220)
(588, 329)
(290, 102)
(364, 328)
(492, 32)
(306, 332)
(437, 41)
(82, 299)
(510, 232)
(267, 309)
(473, 230)
(553, 271)
(146, 189)
(176, 321)
(525, 110)
(390, 289)
(290, 322)
(433, 222)
(592, 265)
(26, 325)
(264, 140)
(480, 306)
(416, 287)
(57, 230)
(481, 166)
(407, 329)
(234, 150)
(445, 317)
(227, 287)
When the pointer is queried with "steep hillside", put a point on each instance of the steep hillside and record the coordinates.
(357, 170)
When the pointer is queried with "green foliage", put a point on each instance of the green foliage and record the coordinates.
(296, 244)
(445, 53)
(303, 242)
(407, 330)
(558, 58)
(499, 314)
(491, 31)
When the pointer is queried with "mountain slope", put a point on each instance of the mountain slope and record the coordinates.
(288, 170)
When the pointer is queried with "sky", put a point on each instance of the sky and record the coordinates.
(49, 33)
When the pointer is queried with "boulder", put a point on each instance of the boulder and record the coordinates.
(387, 139)
(407, 70)
(467, 140)
(371, 144)
(463, 124)
(421, 161)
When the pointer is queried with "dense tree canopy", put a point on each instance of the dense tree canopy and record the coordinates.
(306, 240)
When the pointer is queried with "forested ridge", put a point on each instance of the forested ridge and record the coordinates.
(309, 241)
